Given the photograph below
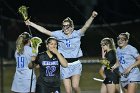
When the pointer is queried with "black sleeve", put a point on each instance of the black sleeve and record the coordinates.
(111, 57)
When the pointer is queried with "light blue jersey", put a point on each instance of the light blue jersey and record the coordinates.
(22, 77)
(127, 56)
(69, 46)
(22, 61)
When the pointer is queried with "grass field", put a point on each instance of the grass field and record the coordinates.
(87, 83)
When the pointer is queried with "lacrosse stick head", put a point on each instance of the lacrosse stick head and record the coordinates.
(35, 43)
(106, 63)
(23, 11)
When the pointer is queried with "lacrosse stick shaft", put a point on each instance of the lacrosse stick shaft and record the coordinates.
(29, 30)
(97, 79)
(31, 79)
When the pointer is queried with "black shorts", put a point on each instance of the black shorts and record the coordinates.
(111, 77)
(46, 89)
(111, 81)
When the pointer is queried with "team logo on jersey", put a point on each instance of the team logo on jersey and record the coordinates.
(45, 63)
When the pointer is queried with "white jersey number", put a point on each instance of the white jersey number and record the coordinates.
(50, 70)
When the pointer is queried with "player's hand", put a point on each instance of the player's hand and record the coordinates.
(113, 67)
(54, 50)
(27, 22)
(94, 14)
(127, 70)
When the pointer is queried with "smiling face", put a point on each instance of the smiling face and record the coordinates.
(67, 28)
(51, 44)
(122, 41)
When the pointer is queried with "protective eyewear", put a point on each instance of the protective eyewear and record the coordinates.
(121, 38)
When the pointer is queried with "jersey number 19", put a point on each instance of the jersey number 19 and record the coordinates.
(20, 62)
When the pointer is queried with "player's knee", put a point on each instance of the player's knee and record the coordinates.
(76, 88)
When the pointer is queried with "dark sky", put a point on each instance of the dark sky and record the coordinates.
(110, 11)
(54, 11)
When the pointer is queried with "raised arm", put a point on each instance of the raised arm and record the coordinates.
(38, 27)
(88, 22)
(62, 60)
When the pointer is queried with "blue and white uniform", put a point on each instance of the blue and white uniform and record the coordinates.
(69, 47)
(22, 77)
(127, 56)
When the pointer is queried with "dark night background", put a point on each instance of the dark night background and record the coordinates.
(114, 17)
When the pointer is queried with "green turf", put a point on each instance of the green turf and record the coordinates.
(86, 83)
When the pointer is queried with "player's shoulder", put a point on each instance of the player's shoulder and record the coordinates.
(57, 31)
(41, 53)
(131, 47)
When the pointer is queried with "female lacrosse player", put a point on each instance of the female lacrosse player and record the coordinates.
(49, 62)
(103, 86)
(69, 46)
(111, 80)
(23, 55)
(129, 59)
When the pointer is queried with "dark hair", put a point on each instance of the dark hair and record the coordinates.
(49, 39)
